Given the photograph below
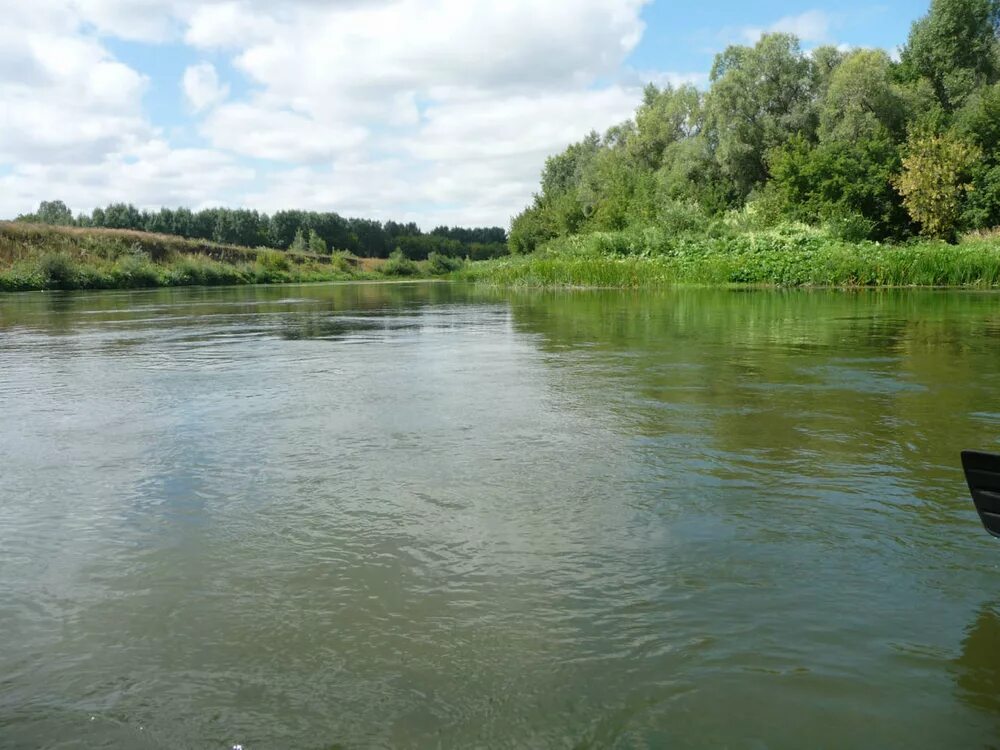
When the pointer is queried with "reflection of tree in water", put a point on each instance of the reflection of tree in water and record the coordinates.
(978, 666)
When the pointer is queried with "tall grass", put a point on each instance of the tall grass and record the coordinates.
(786, 256)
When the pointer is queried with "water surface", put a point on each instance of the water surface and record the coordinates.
(422, 515)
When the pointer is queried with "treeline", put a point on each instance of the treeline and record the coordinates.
(312, 231)
(869, 146)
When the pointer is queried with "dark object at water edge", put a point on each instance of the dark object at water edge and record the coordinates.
(982, 472)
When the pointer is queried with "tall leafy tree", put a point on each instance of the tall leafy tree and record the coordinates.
(863, 100)
(760, 97)
(955, 46)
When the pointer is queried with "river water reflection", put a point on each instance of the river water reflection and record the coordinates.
(425, 515)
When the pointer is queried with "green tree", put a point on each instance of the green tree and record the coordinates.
(531, 228)
(934, 180)
(955, 46)
(979, 122)
(839, 179)
(665, 117)
(863, 100)
(54, 212)
(316, 243)
(299, 243)
(760, 96)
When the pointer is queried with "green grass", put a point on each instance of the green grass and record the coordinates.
(35, 257)
(788, 256)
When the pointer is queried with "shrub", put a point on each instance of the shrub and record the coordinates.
(57, 270)
(272, 260)
(136, 271)
(439, 264)
(343, 261)
(399, 265)
(850, 227)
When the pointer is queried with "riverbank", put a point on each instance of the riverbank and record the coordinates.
(37, 257)
(790, 256)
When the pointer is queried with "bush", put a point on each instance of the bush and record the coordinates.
(399, 265)
(272, 260)
(439, 264)
(136, 271)
(343, 261)
(850, 227)
(57, 270)
(682, 218)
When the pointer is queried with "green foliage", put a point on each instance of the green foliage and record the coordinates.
(935, 178)
(839, 178)
(760, 97)
(785, 256)
(439, 265)
(850, 227)
(664, 118)
(320, 231)
(955, 46)
(531, 228)
(136, 271)
(55, 213)
(316, 243)
(299, 244)
(343, 261)
(57, 270)
(273, 260)
(784, 136)
(862, 100)
(399, 265)
(979, 122)
(37, 257)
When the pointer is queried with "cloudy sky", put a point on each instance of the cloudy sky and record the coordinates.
(437, 111)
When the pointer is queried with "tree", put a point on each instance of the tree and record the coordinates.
(826, 59)
(838, 179)
(316, 243)
(299, 244)
(760, 96)
(955, 46)
(665, 117)
(935, 178)
(283, 227)
(979, 123)
(564, 172)
(122, 216)
(863, 100)
(530, 229)
(54, 212)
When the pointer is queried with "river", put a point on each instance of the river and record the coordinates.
(426, 515)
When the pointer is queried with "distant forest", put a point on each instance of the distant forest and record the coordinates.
(870, 145)
(307, 231)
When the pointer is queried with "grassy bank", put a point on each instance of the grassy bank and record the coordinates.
(789, 256)
(36, 257)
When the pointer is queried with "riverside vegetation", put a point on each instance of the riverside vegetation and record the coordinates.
(794, 168)
(34, 257)
(823, 167)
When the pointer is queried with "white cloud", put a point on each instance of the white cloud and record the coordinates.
(263, 132)
(425, 109)
(150, 175)
(72, 101)
(226, 25)
(202, 87)
(471, 161)
(811, 27)
(138, 20)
